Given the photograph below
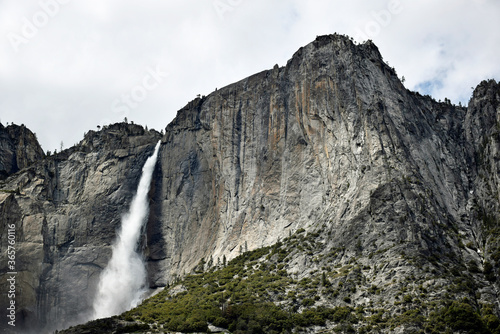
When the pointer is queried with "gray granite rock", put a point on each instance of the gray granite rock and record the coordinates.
(332, 143)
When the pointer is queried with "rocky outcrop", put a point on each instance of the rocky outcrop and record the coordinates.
(331, 143)
(65, 214)
(19, 149)
(482, 129)
(329, 139)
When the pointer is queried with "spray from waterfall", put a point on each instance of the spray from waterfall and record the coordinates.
(122, 282)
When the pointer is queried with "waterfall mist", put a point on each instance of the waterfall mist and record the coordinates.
(122, 282)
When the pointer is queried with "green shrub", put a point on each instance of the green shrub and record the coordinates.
(308, 302)
(193, 325)
(132, 328)
(340, 313)
(457, 316)
(220, 322)
(492, 323)
(488, 272)
(462, 316)
(407, 299)
(237, 296)
(473, 268)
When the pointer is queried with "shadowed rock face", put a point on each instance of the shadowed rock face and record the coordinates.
(66, 213)
(19, 148)
(331, 142)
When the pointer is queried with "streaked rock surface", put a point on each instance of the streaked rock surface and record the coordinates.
(332, 142)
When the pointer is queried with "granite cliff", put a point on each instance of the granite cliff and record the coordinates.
(19, 148)
(66, 209)
(400, 188)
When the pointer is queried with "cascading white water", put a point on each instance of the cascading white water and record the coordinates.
(122, 282)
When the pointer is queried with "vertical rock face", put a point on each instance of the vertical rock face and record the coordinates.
(19, 148)
(332, 142)
(482, 128)
(66, 215)
(330, 139)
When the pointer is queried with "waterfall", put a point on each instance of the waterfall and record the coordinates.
(122, 282)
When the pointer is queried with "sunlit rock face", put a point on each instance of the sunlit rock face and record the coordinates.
(333, 138)
(331, 142)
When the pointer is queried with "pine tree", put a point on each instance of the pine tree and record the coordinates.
(210, 262)
(324, 280)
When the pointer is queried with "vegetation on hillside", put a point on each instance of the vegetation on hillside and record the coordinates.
(255, 293)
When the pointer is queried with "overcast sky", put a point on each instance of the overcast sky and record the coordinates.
(67, 66)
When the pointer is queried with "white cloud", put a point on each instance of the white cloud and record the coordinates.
(64, 80)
